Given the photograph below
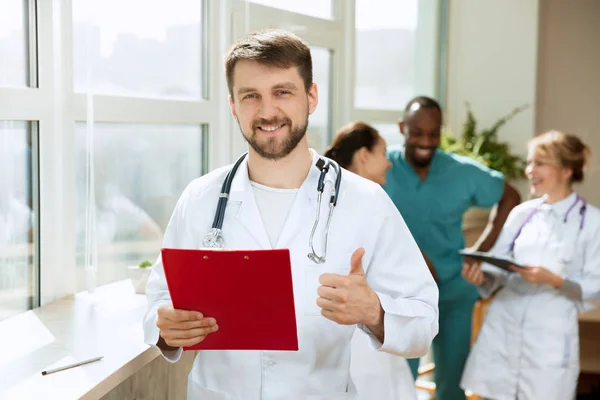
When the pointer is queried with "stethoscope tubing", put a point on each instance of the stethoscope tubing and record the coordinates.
(582, 212)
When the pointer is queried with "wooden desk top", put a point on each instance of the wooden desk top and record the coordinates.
(107, 323)
(592, 315)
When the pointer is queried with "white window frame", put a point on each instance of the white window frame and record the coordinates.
(56, 107)
(429, 39)
(38, 112)
(317, 32)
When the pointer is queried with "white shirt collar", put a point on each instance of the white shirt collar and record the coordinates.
(241, 187)
(561, 207)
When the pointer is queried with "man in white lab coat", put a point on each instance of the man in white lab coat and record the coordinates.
(374, 276)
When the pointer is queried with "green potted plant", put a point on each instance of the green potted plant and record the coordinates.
(484, 146)
(139, 275)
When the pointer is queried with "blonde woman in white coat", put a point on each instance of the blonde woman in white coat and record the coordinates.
(528, 348)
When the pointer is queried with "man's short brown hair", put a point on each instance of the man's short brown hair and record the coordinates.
(274, 48)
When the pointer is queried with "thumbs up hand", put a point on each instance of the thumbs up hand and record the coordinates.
(348, 299)
(356, 267)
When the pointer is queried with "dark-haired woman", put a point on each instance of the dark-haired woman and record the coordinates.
(359, 148)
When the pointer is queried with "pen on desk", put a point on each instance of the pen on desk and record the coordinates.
(77, 364)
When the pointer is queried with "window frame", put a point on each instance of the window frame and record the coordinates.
(429, 59)
(317, 32)
(11, 109)
(53, 106)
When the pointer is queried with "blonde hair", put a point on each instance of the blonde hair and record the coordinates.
(567, 149)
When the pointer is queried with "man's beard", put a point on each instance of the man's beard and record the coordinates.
(272, 149)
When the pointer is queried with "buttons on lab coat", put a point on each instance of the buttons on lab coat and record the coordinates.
(268, 361)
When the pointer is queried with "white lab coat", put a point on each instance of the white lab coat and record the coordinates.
(528, 348)
(364, 217)
(379, 375)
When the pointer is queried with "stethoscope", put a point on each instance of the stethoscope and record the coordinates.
(214, 239)
(582, 211)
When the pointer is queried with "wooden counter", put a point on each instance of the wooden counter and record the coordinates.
(107, 323)
(589, 337)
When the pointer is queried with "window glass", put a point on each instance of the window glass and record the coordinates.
(18, 278)
(139, 48)
(140, 172)
(14, 46)
(390, 133)
(319, 127)
(385, 75)
(314, 8)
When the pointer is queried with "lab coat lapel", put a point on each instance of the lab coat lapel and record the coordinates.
(248, 214)
(301, 215)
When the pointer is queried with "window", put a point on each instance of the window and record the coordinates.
(314, 8)
(148, 75)
(138, 48)
(319, 127)
(14, 46)
(385, 74)
(139, 174)
(390, 133)
(140, 67)
(18, 270)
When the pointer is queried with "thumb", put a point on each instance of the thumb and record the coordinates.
(356, 267)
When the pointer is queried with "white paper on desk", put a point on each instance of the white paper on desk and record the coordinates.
(26, 334)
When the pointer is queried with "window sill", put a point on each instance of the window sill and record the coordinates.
(107, 323)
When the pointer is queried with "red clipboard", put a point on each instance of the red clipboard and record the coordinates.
(249, 293)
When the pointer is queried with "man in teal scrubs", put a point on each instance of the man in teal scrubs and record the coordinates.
(433, 189)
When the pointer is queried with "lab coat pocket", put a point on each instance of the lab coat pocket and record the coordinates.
(311, 285)
(562, 354)
(558, 344)
(197, 391)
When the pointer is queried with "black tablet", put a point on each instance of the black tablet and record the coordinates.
(500, 262)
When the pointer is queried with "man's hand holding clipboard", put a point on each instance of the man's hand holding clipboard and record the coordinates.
(182, 328)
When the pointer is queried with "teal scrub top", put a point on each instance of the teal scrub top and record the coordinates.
(433, 210)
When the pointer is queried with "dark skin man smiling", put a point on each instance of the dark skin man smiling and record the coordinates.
(433, 189)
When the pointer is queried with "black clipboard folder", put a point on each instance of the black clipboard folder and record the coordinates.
(501, 262)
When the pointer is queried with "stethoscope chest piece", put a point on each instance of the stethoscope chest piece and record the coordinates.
(214, 239)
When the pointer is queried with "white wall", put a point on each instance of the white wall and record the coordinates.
(569, 77)
(492, 59)
(502, 54)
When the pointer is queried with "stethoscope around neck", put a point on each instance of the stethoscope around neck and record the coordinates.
(214, 239)
(582, 211)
